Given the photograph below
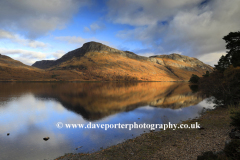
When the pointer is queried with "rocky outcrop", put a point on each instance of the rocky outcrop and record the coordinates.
(193, 62)
(155, 60)
(98, 47)
(174, 56)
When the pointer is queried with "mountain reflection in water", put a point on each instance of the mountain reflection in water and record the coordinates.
(97, 100)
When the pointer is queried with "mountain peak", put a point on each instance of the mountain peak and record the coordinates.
(92, 44)
(97, 47)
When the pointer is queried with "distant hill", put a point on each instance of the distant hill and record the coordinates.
(96, 61)
(13, 70)
(6, 61)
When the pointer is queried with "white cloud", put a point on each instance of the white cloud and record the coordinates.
(86, 29)
(58, 54)
(187, 26)
(211, 58)
(196, 33)
(95, 27)
(5, 34)
(36, 18)
(139, 33)
(27, 61)
(72, 39)
(21, 52)
(79, 40)
(20, 40)
(147, 54)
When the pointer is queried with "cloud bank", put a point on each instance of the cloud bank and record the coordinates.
(193, 27)
(15, 38)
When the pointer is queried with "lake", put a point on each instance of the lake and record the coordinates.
(31, 111)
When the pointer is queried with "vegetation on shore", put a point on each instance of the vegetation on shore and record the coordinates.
(224, 85)
(224, 82)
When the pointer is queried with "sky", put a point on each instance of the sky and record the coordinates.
(32, 30)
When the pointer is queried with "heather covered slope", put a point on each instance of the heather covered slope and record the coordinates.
(95, 61)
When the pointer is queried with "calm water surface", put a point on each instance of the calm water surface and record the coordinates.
(30, 112)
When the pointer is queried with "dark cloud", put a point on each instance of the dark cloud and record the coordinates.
(194, 28)
(142, 12)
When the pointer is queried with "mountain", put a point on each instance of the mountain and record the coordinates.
(80, 52)
(96, 61)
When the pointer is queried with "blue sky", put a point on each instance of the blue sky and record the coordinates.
(32, 30)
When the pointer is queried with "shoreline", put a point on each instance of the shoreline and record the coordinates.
(171, 144)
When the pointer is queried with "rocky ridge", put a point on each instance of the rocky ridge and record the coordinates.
(181, 58)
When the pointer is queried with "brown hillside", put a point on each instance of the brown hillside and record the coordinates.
(97, 62)
(11, 69)
(6, 61)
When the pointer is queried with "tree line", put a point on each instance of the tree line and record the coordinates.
(223, 85)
